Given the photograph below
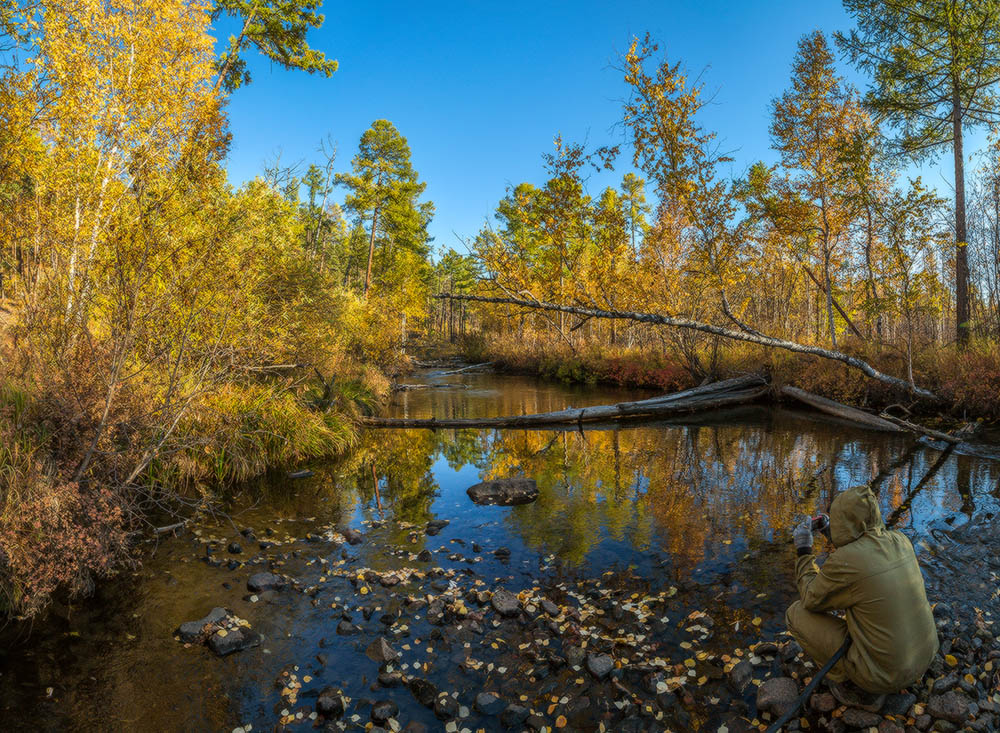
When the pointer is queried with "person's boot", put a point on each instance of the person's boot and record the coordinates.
(853, 696)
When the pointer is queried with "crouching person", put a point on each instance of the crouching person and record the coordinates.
(874, 578)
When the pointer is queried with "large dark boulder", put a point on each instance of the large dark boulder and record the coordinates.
(504, 492)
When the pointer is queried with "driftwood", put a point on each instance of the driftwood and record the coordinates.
(914, 428)
(839, 410)
(468, 368)
(750, 335)
(709, 397)
(411, 387)
(170, 527)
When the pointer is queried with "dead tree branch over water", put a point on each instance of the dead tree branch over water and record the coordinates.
(687, 323)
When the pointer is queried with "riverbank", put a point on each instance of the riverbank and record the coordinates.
(655, 561)
(59, 533)
(967, 381)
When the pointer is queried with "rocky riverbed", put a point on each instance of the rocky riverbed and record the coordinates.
(643, 588)
(465, 644)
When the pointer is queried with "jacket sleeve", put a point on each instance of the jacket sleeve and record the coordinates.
(827, 588)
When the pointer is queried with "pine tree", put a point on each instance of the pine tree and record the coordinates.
(383, 192)
(934, 67)
(277, 29)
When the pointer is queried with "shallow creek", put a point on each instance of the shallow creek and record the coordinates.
(662, 546)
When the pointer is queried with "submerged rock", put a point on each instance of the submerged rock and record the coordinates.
(383, 711)
(425, 692)
(514, 715)
(380, 651)
(489, 704)
(330, 703)
(265, 581)
(435, 526)
(600, 665)
(504, 492)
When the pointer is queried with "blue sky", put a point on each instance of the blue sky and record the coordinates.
(480, 89)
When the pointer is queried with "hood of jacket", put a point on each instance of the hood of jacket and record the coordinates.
(853, 513)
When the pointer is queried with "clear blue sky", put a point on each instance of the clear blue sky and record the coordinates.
(480, 89)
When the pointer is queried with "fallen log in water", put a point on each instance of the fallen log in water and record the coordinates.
(840, 410)
(708, 397)
(467, 368)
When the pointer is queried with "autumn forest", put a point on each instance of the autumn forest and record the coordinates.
(167, 333)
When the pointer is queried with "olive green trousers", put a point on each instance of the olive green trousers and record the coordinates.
(820, 635)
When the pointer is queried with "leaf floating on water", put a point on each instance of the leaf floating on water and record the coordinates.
(950, 660)
(758, 621)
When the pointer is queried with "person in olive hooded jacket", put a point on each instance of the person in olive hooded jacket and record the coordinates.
(874, 578)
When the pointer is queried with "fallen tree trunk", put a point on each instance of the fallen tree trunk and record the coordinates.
(467, 368)
(709, 397)
(839, 410)
(750, 336)
(920, 429)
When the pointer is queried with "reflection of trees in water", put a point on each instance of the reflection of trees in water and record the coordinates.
(403, 461)
(684, 490)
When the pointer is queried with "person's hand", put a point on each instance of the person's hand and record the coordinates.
(803, 536)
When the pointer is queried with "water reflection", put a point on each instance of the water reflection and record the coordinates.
(703, 503)
(699, 491)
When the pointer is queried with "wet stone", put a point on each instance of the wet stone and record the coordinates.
(435, 526)
(234, 548)
(858, 718)
(514, 715)
(383, 711)
(353, 536)
(226, 642)
(346, 628)
(501, 553)
(888, 726)
(822, 702)
(390, 679)
(600, 665)
(380, 651)
(265, 581)
(505, 603)
(193, 631)
(777, 695)
(425, 556)
(943, 684)
(549, 607)
(898, 703)
(425, 692)
(330, 703)
(445, 707)
(740, 675)
(489, 704)
(504, 492)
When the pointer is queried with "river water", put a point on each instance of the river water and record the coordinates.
(683, 517)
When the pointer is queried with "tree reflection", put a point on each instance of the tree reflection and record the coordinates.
(699, 493)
